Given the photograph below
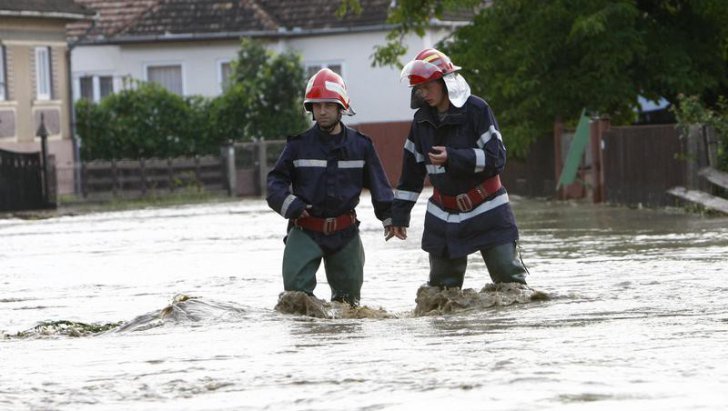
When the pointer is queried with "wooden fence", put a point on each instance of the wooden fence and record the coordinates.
(152, 176)
(638, 165)
(21, 182)
(252, 162)
(641, 163)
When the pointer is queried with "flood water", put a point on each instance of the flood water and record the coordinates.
(637, 317)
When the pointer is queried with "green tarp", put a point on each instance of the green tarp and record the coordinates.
(576, 151)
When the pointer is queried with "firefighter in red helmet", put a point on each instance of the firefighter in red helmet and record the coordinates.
(316, 184)
(455, 141)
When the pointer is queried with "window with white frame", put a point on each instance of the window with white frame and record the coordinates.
(3, 76)
(225, 72)
(43, 73)
(168, 76)
(86, 87)
(106, 86)
(313, 68)
(94, 88)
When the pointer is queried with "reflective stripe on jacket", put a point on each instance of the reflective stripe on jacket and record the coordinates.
(475, 151)
(328, 173)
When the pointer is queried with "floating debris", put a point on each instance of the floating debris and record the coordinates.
(436, 301)
(300, 303)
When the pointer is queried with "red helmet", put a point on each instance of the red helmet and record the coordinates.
(428, 65)
(327, 87)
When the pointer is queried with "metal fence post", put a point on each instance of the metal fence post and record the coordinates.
(262, 166)
(230, 171)
(43, 134)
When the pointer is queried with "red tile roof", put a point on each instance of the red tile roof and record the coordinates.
(113, 16)
(44, 8)
(136, 20)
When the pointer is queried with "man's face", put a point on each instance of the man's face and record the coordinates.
(326, 114)
(432, 93)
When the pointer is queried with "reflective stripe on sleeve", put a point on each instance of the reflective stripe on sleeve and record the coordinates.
(483, 140)
(479, 160)
(406, 195)
(410, 146)
(287, 203)
(433, 169)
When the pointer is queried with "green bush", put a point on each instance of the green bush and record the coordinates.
(691, 110)
(263, 100)
(147, 121)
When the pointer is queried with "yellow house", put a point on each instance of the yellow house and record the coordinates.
(34, 80)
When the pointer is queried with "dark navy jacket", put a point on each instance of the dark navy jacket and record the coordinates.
(328, 173)
(475, 151)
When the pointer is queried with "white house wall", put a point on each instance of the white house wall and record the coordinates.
(376, 93)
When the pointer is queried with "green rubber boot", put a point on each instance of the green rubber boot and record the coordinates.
(504, 264)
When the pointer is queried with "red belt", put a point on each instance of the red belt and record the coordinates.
(473, 198)
(326, 225)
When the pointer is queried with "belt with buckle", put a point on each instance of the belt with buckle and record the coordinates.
(473, 198)
(326, 225)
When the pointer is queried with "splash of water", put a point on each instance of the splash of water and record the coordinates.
(436, 301)
(64, 328)
(183, 309)
(300, 303)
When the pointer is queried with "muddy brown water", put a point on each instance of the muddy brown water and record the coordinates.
(632, 316)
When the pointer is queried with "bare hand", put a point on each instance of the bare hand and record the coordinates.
(438, 155)
(399, 232)
(388, 233)
(304, 213)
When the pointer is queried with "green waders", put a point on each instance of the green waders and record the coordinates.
(344, 269)
(503, 263)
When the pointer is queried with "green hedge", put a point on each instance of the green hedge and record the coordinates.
(263, 100)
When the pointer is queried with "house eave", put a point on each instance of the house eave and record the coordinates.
(46, 14)
(230, 35)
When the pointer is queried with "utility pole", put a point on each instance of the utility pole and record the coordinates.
(43, 134)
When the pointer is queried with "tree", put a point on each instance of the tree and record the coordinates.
(535, 61)
(264, 97)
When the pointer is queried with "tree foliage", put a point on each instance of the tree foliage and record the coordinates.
(264, 98)
(690, 110)
(413, 16)
(535, 61)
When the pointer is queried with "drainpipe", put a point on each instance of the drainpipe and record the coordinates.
(72, 111)
(72, 125)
